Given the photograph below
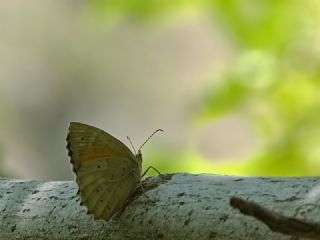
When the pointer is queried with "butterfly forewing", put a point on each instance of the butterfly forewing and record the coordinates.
(82, 138)
(106, 170)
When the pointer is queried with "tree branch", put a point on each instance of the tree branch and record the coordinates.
(275, 221)
(179, 206)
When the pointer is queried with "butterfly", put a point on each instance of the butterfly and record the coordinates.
(107, 172)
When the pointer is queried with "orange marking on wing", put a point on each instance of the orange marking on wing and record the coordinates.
(98, 153)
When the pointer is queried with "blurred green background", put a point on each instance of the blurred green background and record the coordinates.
(234, 84)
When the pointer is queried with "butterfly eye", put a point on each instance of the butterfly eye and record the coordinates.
(139, 156)
(97, 190)
(98, 166)
(82, 138)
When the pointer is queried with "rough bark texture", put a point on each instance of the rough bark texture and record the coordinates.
(178, 206)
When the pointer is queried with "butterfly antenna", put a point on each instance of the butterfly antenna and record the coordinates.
(132, 145)
(158, 130)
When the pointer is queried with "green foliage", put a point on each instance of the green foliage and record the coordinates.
(273, 81)
(274, 91)
(141, 10)
(260, 24)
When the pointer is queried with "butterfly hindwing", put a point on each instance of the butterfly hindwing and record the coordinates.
(113, 198)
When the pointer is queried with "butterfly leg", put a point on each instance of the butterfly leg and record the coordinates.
(132, 198)
(138, 192)
(144, 194)
(145, 172)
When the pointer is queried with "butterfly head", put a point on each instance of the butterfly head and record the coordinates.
(139, 155)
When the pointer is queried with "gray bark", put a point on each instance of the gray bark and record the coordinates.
(178, 206)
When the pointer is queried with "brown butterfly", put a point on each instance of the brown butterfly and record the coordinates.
(107, 172)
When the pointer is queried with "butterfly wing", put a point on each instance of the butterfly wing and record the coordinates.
(106, 170)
